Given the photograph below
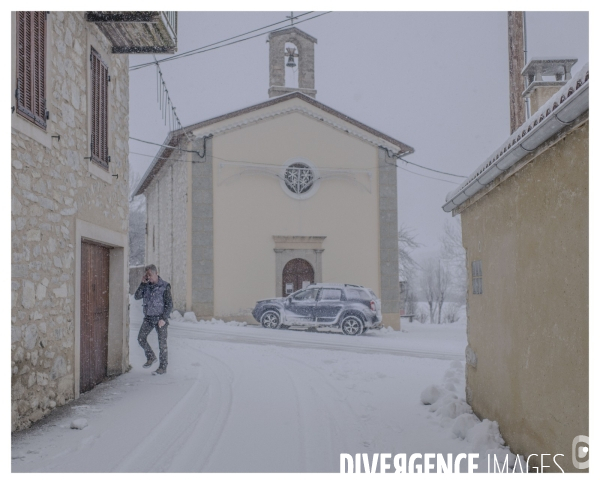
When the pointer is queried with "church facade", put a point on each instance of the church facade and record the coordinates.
(262, 201)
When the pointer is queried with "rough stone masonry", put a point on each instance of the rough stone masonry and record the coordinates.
(52, 186)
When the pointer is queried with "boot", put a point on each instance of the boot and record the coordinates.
(148, 363)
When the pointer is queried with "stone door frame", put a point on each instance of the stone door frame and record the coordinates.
(289, 247)
(118, 314)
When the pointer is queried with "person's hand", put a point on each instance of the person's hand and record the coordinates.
(144, 278)
(161, 323)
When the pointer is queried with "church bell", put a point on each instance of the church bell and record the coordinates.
(290, 62)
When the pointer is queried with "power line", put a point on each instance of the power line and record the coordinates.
(201, 50)
(398, 156)
(425, 176)
(158, 144)
(215, 43)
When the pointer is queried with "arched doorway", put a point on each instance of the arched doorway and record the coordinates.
(297, 273)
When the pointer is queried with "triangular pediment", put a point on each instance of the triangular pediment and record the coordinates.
(296, 102)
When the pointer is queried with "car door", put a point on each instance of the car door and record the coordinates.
(329, 305)
(300, 306)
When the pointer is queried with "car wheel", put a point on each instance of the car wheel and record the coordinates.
(352, 325)
(270, 319)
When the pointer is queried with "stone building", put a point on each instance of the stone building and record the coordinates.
(69, 319)
(524, 215)
(269, 198)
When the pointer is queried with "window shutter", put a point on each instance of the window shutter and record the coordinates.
(99, 121)
(31, 67)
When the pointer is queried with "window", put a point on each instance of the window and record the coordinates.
(299, 178)
(357, 294)
(99, 110)
(31, 67)
(331, 295)
(477, 277)
(308, 295)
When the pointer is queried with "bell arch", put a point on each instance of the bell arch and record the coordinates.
(305, 45)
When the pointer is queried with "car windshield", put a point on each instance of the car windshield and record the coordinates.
(307, 295)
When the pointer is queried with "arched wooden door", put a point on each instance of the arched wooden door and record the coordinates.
(297, 274)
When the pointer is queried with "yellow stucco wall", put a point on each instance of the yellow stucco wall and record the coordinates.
(529, 328)
(250, 209)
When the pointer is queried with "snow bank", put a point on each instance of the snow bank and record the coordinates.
(79, 423)
(190, 316)
(450, 410)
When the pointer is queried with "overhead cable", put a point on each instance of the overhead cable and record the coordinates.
(201, 50)
(215, 43)
(398, 156)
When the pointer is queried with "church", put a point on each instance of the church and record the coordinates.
(260, 202)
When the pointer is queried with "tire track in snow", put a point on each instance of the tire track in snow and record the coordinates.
(166, 432)
(183, 429)
(200, 443)
(323, 394)
(271, 339)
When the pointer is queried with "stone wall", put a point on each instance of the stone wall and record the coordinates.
(388, 240)
(52, 186)
(166, 208)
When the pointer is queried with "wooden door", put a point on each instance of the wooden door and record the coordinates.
(94, 315)
(296, 273)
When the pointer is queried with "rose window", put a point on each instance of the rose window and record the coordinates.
(299, 178)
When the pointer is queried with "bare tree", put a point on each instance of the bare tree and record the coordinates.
(442, 283)
(454, 253)
(428, 287)
(408, 266)
(435, 281)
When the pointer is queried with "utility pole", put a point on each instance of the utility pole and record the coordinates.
(516, 63)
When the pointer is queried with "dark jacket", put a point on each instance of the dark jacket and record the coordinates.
(158, 302)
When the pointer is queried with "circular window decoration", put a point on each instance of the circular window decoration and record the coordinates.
(299, 178)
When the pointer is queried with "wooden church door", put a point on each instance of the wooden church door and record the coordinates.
(297, 274)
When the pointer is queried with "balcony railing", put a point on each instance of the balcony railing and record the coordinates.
(138, 32)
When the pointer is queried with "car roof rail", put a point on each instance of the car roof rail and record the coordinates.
(352, 285)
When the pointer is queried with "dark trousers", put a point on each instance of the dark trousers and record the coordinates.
(148, 325)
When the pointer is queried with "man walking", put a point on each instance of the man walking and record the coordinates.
(158, 305)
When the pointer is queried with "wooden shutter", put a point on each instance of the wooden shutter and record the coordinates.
(31, 66)
(99, 142)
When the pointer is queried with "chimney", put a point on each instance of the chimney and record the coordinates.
(538, 89)
(516, 60)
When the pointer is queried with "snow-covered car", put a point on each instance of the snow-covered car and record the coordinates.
(353, 309)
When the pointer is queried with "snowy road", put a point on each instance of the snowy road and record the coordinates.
(247, 399)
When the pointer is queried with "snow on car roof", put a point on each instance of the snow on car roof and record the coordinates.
(334, 284)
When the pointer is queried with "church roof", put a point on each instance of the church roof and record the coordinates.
(174, 137)
(294, 30)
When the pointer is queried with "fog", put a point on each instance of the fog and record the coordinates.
(437, 81)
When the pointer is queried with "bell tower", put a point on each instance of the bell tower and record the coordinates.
(304, 52)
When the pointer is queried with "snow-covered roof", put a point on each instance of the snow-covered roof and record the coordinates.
(564, 107)
(174, 137)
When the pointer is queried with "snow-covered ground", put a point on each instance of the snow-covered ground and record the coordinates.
(243, 398)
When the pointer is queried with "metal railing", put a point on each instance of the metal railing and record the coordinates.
(170, 19)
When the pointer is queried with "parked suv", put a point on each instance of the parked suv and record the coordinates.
(352, 308)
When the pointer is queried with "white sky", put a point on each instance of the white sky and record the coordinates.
(437, 81)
